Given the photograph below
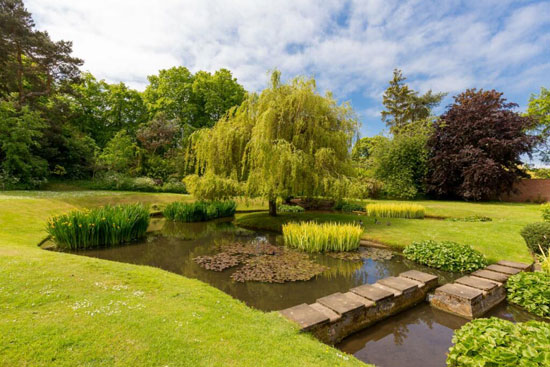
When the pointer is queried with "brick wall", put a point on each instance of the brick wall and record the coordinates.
(530, 190)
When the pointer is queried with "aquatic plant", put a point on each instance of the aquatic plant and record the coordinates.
(402, 210)
(497, 342)
(314, 237)
(105, 226)
(530, 291)
(199, 211)
(448, 256)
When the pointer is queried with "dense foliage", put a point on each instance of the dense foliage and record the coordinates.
(545, 209)
(199, 211)
(348, 206)
(314, 237)
(288, 141)
(537, 236)
(402, 210)
(476, 147)
(498, 342)
(539, 110)
(531, 291)
(118, 182)
(290, 209)
(106, 226)
(448, 256)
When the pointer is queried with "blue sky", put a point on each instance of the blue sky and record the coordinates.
(350, 47)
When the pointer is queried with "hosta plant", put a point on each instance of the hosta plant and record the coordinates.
(530, 291)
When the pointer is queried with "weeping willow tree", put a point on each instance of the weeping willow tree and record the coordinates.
(287, 141)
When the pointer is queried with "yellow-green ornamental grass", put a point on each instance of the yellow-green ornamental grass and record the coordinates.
(409, 211)
(314, 237)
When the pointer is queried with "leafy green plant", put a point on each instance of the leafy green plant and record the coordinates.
(496, 342)
(199, 211)
(472, 218)
(314, 237)
(531, 291)
(290, 209)
(537, 236)
(545, 261)
(545, 208)
(348, 206)
(106, 226)
(411, 211)
(448, 256)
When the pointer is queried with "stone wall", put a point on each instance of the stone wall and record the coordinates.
(530, 190)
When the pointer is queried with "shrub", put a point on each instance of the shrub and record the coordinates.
(313, 237)
(106, 226)
(545, 208)
(120, 182)
(348, 206)
(537, 236)
(531, 291)
(448, 256)
(497, 342)
(290, 209)
(199, 211)
(396, 211)
(472, 218)
(545, 261)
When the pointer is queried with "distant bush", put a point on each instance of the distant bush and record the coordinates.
(531, 291)
(290, 209)
(497, 342)
(537, 236)
(313, 237)
(545, 208)
(448, 256)
(106, 226)
(404, 210)
(119, 182)
(348, 206)
(472, 218)
(199, 211)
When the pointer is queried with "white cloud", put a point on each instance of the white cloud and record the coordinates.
(350, 47)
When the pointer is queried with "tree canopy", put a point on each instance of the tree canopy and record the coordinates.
(287, 141)
(539, 110)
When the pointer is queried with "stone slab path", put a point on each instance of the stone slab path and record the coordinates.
(338, 315)
(473, 295)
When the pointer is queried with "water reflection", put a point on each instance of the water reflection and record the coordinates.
(172, 246)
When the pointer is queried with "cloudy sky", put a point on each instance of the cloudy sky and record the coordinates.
(350, 47)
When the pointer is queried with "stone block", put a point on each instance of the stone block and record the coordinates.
(512, 264)
(305, 316)
(371, 292)
(503, 269)
(332, 316)
(425, 278)
(491, 275)
(478, 283)
(402, 285)
(340, 303)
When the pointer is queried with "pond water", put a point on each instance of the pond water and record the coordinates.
(419, 337)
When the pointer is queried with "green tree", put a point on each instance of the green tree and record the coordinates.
(120, 153)
(539, 109)
(288, 141)
(404, 106)
(19, 130)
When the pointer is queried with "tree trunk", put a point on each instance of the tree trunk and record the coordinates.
(273, 207)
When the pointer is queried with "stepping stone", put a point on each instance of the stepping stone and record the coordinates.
(477, 283)
(512, 264)
(503, 269)
(460, 291)
(403, 285)
(428, 279)
(305, 316)
(371, 292)
(491, 275)
(340, 303)
(366, 302)
(332, 316)
(393, 291)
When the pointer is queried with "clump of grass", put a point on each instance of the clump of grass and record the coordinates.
(290, 209)
(314, 237)
(106, 226)
(199, 211)
(411, 211)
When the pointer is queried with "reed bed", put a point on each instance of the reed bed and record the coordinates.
(314, 237)
(409, 211)
(199, 211)
(105, 226)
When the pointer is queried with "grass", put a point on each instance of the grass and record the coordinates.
(314, 237)
(105, 226)
(498, 239)
(58, 309)
(395, 210)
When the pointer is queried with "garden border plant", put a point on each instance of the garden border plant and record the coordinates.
(105, 226)
(537, 236)
(394, 210)
(530, 291)
(445, 255)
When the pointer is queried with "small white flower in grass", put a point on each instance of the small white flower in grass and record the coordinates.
(138, 293)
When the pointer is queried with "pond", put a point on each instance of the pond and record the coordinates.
(420, 336)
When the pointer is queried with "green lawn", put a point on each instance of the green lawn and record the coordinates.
(65, 310)
(499, 239)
